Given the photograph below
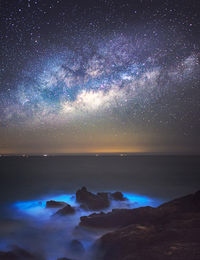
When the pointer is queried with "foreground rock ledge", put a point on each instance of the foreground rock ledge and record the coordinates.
(169, 232)
(144, 215)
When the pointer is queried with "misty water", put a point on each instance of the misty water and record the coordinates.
(27, 183)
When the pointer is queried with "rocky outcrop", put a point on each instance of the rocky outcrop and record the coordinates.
(91, 201)
(160, 242)
(119, 218)
(55, 204)
(144, 215)
(169, 232)
(68, 209)
(189, 203)
(118, 196)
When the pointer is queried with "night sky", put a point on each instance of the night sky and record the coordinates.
(99, 76)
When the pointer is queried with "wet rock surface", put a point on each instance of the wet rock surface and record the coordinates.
(170, 231)
(68, 209)
(118, 196)
(118, 218)
(91, 201)
(55, 204)
(144, 215)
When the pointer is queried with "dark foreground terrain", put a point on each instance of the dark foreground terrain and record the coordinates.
(170, 231)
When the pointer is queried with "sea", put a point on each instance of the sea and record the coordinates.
(27, 182)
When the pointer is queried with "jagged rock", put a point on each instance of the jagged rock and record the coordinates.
(91, 201)
(144, 215)
(117, 196)
(118, 218)
(189, 203)
(55, 204)
(76, 247)
(170, 233)
(160, 242)
(66, 210)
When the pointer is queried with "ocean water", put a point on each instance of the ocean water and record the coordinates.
(158, 176)
(27, 183)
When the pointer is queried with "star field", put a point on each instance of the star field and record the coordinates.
(99, 76)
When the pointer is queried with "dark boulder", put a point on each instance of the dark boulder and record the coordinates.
(118, 196)
(66, 210)
(82, 195)
(91, 201)
(55, 204)
(103, 195)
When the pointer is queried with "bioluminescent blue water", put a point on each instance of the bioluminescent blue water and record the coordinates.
(38, 207)
(142, 201)
(41, 231)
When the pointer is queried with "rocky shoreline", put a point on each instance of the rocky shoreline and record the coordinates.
(170, 231)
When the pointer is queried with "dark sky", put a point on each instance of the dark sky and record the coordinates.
(99, 76)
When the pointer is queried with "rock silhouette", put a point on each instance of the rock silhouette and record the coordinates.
(55, 204)
(118, 196)
(68, 209)
(170, 231)
(91, 201)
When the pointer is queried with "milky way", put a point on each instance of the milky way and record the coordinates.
(137, 80)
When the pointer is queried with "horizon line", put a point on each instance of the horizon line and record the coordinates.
(98, 154)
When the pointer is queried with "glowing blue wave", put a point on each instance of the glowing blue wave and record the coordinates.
(36, 207)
